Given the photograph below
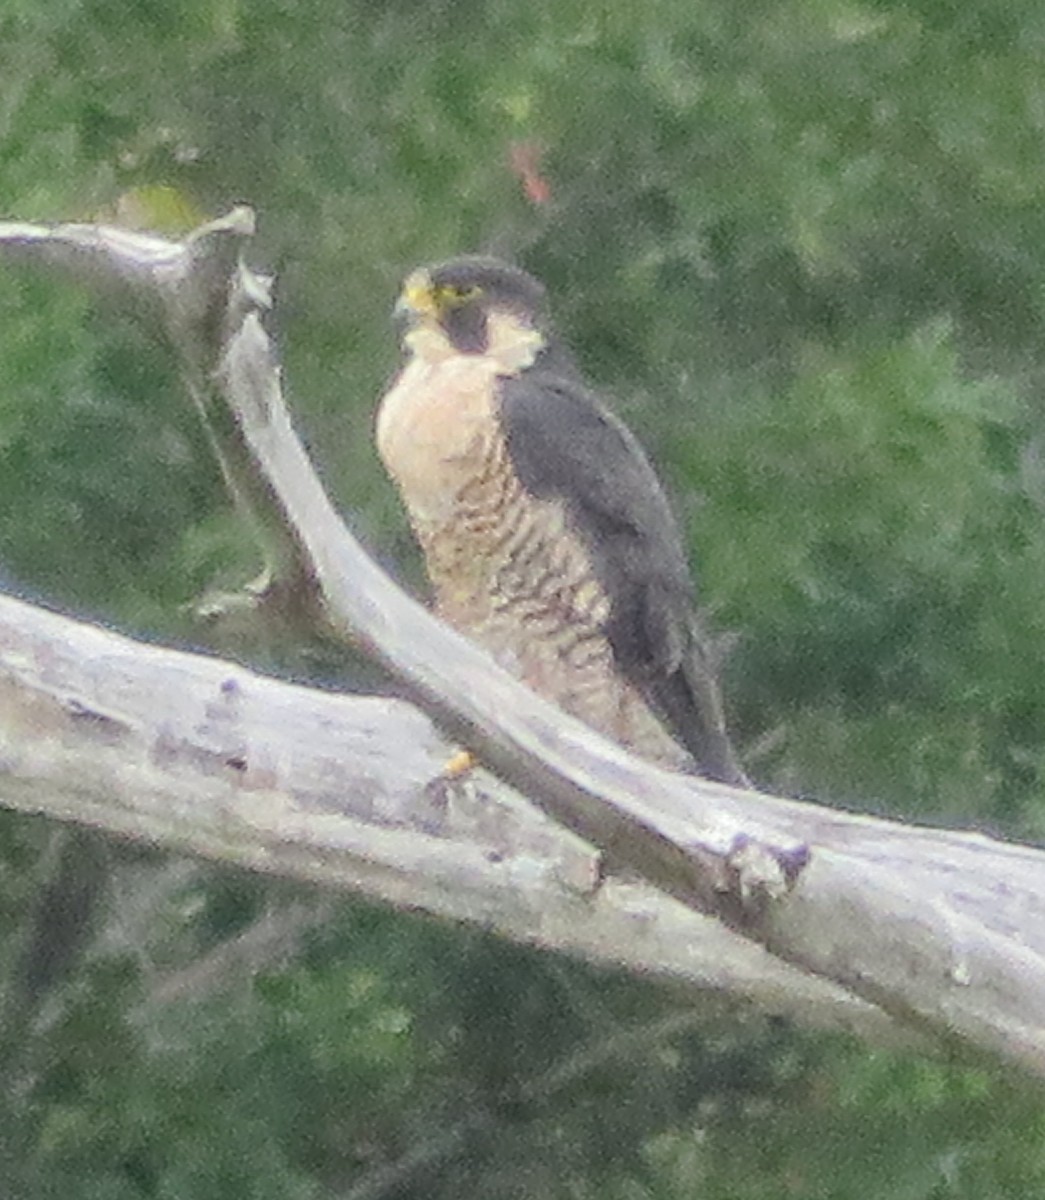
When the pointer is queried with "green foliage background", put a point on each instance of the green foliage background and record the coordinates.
(801, 244)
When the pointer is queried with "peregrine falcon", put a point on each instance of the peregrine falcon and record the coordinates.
(546, 534)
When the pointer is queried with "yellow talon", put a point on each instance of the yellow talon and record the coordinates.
(459, 764)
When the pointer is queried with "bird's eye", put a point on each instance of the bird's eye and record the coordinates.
(458, 293)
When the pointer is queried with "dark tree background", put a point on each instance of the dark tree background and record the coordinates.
(802, 244)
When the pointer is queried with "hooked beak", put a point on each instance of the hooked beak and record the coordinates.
(416, 301)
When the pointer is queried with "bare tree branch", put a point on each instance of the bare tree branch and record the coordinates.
(203, 757)
(273, 938)
(942, 930)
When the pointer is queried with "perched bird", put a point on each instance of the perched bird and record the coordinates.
(546, 534)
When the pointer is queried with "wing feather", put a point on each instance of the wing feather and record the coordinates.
(564, 443)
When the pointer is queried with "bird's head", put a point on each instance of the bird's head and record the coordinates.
(472, 306)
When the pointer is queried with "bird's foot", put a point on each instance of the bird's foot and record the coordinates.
(455, 775)
(460, 764)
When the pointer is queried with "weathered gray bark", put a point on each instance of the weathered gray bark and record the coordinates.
(203, 757)
(943, 931)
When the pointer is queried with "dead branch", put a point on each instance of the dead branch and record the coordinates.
(942, 930)
(206, 758)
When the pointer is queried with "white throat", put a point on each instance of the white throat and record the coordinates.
(512, 344)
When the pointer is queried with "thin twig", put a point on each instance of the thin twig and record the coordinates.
(437, 1151)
